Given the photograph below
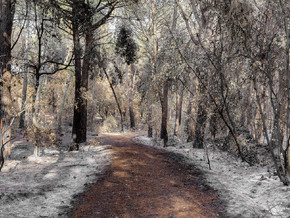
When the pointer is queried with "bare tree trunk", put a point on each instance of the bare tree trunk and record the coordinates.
(25, 76)
(76, 132)
(35, 118)
(131, 99)
(23, 99)
(287, 50)
(6, 22)
(179, 100)
(59, 118)
(251, 110)
(164, 107)
(277, 165)
(85, 85)
(177, 110)
(38, 98)
(116, 99)
(149, 122)
(189, 127)
(154, 61)
(200, 124)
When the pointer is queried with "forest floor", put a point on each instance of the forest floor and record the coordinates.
(121, 175)
(249, 191)
(147, 182)
(44, 186)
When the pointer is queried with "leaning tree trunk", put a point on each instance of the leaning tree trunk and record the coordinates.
(271, 146)
(116, 99)
(164, 107)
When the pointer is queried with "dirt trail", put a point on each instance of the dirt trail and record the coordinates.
(146, 182)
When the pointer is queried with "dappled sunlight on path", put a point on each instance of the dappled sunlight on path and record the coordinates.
(146, 182)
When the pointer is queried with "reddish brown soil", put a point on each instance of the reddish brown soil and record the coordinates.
(146, 182)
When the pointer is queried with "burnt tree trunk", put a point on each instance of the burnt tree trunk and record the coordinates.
(164, 107)
(131, 99)
(6, 22)
(77, 118)
(84, 87)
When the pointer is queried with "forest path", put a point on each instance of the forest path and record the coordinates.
(147, 182)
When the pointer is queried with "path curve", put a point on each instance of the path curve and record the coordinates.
(147, 182)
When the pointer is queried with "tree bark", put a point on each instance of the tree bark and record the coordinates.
(149, 122)
(59, 119)
(277, 163)
(179, 100)
(76, 132)
(164, 108)
(6, 22)
(200, 124)
(23, 100)
(189, 127)
(131, 98)
(25, 76)
(35, 118)
(287, 50)
(85, 85)
(116, 99)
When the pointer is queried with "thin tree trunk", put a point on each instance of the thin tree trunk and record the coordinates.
(200, 124)
(269, 142)
(38, 96)
(35, 118)
(131, 99)
(23, 100)
(2, 29)
(179, 100)
(149, 122)
(164, 107)
(116, 99)
(189, 127)
(287, 50)
(177, 110)
(25, 76)
(59, 118)
(154, 61)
